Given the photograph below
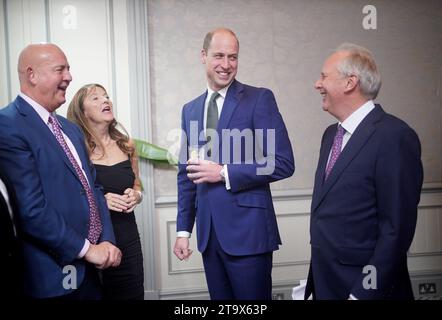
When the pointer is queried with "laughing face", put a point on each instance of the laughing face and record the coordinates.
(331, 84)
(221, 60)
(51, 78)
(97, 106)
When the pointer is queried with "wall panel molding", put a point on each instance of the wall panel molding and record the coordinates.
(5, 66)
(306, 194)
(24, 22)
(186, 280)
(141, 119)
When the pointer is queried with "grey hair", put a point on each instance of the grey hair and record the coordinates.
(360, 62)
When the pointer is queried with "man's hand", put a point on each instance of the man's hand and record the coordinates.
(203, 171)
(181, 248)
(103, 255)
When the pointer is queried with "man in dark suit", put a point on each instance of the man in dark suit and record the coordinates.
(62, 216)
(227, 190)
(11, 264)
(367, 188)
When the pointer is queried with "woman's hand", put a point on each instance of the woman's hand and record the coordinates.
(117, 202)
(133, 198)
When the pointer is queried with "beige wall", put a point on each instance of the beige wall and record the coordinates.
(147, 54)
(282, 46)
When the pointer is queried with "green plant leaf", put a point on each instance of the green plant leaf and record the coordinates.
(154, 153)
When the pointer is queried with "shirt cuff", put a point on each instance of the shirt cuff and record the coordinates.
(183, 234)
(85, 249)
(226, 177)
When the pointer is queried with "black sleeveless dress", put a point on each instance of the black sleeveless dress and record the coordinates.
(127, 280)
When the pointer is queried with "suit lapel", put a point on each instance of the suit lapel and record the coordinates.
(196, 113)
(196, 116)
(323, 157)
(233, 97)
(42, 131)
(358, 139)
(84, 158)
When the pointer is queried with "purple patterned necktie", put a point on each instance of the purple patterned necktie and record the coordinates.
(336, 150)
(94, 217)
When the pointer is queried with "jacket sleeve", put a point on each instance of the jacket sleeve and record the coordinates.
(273, 158)
(186, 188)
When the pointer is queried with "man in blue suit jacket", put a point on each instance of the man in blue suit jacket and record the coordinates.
(53, 209)
(367, 188)
(227, 190)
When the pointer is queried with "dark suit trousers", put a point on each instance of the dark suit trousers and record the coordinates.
(237, 277)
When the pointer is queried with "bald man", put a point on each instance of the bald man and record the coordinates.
(62, 221)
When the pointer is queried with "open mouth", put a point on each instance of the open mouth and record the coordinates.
(106, 109)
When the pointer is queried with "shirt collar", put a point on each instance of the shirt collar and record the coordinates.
(41, 111)
(222, 92)
(351, 123)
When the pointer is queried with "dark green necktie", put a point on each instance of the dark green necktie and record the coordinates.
(212, 112)
(212, 118)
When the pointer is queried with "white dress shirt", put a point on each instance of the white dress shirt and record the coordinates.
(352, 122)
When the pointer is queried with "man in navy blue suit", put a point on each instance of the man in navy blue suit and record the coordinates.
(62, 218)
(367, 188)
(226, 189)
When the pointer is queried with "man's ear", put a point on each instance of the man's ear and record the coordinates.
(30, 74)
(352, 82)
(203, 56)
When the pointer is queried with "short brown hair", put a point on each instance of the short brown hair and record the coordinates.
(209, 36)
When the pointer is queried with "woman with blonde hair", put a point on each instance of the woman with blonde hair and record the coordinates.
(114, 156)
